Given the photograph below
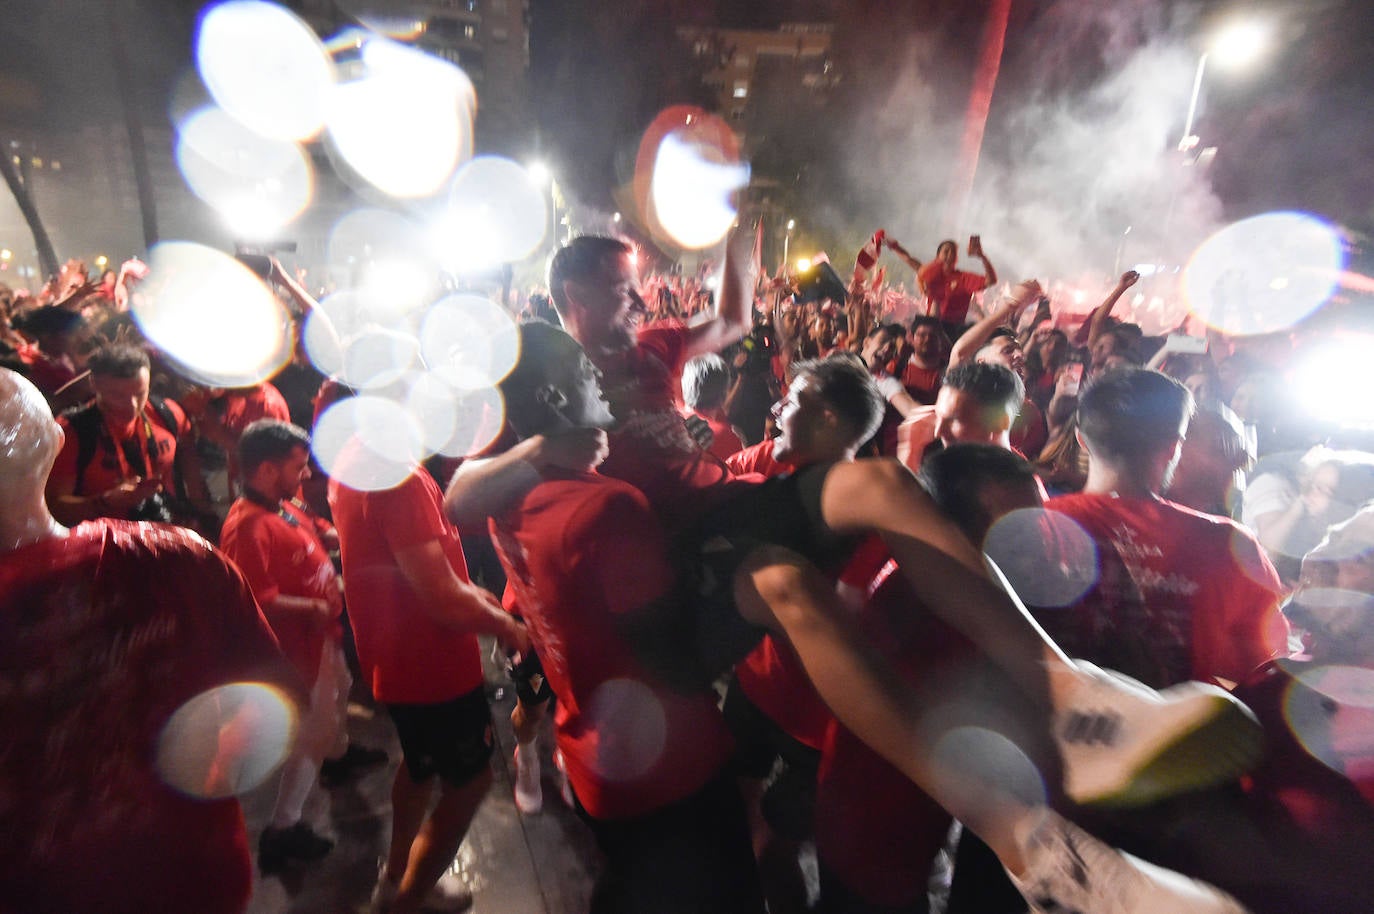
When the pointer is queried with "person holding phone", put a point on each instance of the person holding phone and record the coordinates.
(947, 289)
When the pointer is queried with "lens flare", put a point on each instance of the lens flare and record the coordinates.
(497, 213)
(686, 173)
(631, 720)
(1331, 381)
(406, 123)
(394, 286)
(1264, 274)
(376, 357)
(366, 234)
(469, 341)
(1049, 560)
(212, 316)
(265, 67)
(1330, 711)
(985, 755)
(256, 183)
(367, 444)
(454, 423)
(226, 741)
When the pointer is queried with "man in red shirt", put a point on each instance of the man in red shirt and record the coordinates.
(141, 691)
(416, 619)
(645, 759)
(949, 289)
(275, 546)
(120, 453)
(1210, 597)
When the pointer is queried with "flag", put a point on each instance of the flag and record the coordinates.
(868, 254)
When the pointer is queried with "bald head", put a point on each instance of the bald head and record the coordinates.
(29, 436)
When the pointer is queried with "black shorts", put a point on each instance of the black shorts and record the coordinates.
(531, 685)
(452, 739)
(760, 742)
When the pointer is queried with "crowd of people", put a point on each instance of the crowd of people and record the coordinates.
(784, 560)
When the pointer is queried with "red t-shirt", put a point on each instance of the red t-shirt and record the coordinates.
(1029, 432)
(578, 551)
(122, 454)
(757, 459)
(724, 441)
(406, 655)
(950, 292)
(1210, 595)
(922, 384)
(281, 555)
(104, 634)
(235, 410)
(875, 829)
(650, 448)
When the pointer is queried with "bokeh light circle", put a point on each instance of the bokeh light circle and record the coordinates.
(632, 725)
(1049, 560)
(469, 341)
(226, 741)
(406, 124)
(377, 357)
(1265, 273)
(1330, 712)
(496, 214)
(266, 67)
(686, 174)
(212, 316)
(257, 184)
(367, 443)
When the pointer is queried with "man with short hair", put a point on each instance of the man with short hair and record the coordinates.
(120, 454)
(1211, 597)
(929, 356)
(141, 692)
(275, 546)
(977, 404)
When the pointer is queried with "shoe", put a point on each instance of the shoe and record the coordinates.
(450, 893)
(1124, 744)
(355, 760)
(564, 785)
(529, 792)
(279, 848)
(1068, 871)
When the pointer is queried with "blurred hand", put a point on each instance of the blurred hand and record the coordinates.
(700, 430)
(1128, 279)
(124, 497)
(1023, 293)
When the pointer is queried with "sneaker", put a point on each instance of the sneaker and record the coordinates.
(278, 848)
(529, 792)
(355, 760)
(1125, 744)
(564, 785)
(450, 893)
(1068, 871)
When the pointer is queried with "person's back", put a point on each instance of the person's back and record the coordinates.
(104, 634)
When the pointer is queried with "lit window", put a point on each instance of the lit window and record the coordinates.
(741, 90)
(469, 31)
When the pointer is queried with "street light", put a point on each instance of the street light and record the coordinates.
(1236, 45)
(787, 239)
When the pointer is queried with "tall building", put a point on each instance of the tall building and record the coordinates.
(740, 62)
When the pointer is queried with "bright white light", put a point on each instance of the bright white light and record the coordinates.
(406, 124)
(691, 189)
(256, 183)
(479, 419)
(393, 286)
(226, 741)
(496, 214)
(265, 67)
(1331, 382)
(1146, 269)
(367, 443)
(377, 356)
(1265, 273)
(539, 173)
(367, 234)
(1240, 44)
(1049, 560)
(791, 224)
(213, 316)
(803, 264)
(469, 341)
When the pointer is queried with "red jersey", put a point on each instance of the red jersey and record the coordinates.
(147, 448)
(579, 550)
(235, 410)
(278, 553)
(922, 384)
(950, 292)
(406, 655)
(1211, 597)
(104, 635)
(757, 459)
(650, 448)
(1029, 432)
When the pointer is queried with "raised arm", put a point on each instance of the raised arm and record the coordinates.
(977, 336)
(734, 308)
(903, 255)
(1098, 321)
(975, 246)
(453, 602)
